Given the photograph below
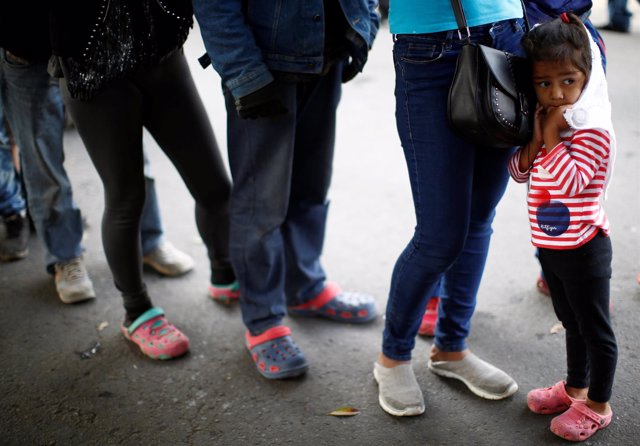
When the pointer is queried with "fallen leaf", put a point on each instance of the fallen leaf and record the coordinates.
(345, 412)
(103, 325)
(557, 328)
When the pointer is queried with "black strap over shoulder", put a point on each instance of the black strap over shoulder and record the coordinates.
(461, 19)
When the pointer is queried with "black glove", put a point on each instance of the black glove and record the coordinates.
(358, 53)
(261, 103)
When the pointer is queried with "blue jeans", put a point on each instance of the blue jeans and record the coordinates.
(35, 107)
(281, 168)
(455, 186)
(11, 199)
(150, 223)
(36, 116)
(619, 15)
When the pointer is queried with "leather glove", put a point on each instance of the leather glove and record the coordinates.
(358, 52)
(262, 103)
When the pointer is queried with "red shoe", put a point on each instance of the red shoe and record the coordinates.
(542, 286)
(579, 422)
(430, 318)
(550, 400)
(225, 294)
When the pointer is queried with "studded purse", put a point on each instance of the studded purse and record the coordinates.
(491, 98)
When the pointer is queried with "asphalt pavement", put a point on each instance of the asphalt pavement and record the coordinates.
(52, 394)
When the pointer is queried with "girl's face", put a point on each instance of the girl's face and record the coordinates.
(557, 83)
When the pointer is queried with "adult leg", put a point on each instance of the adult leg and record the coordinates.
(110, 125)
(158, 253)
(35, 114)
(422, 82)
(462, 280)
(11, 199)
(304, 228)
(261, 159)
(619, 15)
(176, 118)
(15, 237)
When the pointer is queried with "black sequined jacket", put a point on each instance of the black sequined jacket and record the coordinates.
(98, 41)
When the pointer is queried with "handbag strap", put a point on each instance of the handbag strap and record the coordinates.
(461, 19)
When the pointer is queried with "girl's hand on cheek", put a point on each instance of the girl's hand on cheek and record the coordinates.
(553, 124)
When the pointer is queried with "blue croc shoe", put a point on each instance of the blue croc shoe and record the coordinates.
(337, 305)
(275, 354)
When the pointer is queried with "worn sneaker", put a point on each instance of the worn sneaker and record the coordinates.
(14, 246)
(73, 282)
(482, 378)
(168, 260)
(399, 393)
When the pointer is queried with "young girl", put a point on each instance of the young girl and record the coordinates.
(568, 163)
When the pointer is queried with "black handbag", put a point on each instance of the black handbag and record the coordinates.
(491, 100)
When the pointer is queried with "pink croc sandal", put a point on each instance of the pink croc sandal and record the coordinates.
(550, 400)
(156, 337)
(225, 294)
(579, 422)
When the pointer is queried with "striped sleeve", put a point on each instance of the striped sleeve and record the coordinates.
(573, 167)
(514, 168)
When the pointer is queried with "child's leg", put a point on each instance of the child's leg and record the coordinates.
(590, 301)
(584, 275)
(577, 358)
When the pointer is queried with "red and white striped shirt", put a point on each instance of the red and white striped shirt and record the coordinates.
(565, 188)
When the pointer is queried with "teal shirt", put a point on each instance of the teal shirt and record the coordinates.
(429, 16)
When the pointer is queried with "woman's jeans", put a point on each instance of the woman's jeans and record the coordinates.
(456, 186)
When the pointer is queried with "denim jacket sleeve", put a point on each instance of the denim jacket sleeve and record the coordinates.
(231, 46)
(375, 21)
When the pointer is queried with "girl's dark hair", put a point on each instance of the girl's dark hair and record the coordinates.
(558, 40)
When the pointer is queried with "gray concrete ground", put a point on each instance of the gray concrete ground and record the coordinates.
(50, 396)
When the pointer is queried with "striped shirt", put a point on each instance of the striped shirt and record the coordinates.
(565, 187)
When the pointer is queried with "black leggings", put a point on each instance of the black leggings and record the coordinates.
(164, 100)
(579, 284)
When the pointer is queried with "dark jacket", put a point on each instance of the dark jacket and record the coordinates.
(24, 29)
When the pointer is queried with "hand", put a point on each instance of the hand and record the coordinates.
(553, 124)
(358, 54)
(262, 103)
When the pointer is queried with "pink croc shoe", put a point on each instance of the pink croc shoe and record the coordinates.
(579, 422)
(225, 294)
(156, 337)
(550, 400)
